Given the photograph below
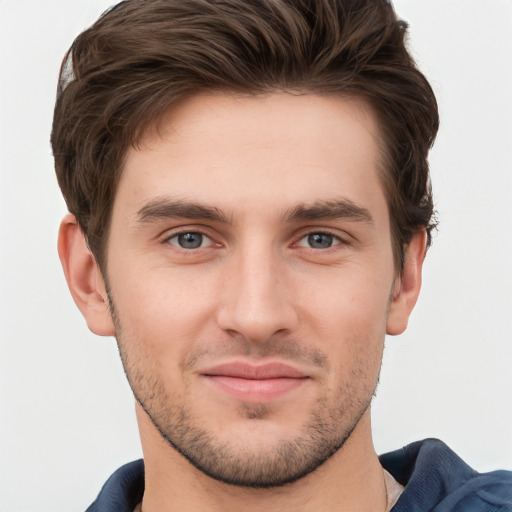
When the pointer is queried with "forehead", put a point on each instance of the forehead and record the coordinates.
(228, 150)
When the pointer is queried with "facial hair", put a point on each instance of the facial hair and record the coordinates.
(331, 420)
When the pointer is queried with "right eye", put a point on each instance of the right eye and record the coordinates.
(190, 240)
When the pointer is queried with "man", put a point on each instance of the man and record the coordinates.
(249, 213)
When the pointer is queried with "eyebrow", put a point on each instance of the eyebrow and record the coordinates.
(330, 210)
(164, 208)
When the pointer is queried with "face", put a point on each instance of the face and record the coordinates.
(250, 271)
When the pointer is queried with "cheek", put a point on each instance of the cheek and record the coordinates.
(348, 300)
(348, 318)
(163, 312)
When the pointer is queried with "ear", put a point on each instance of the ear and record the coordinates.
(84, 278)
(407, 285)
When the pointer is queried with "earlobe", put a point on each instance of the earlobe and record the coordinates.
(84, 278)
(407, 285)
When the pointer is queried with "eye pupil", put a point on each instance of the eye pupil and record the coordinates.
(190, 240)
(320, 240)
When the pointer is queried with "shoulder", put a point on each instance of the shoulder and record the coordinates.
(122, 491)
(436, 478)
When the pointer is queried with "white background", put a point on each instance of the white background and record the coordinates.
(66, 415)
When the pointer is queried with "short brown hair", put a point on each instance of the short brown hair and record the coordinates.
(141, 56)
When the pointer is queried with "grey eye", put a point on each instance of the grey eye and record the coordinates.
(189, 240)
(320, 240)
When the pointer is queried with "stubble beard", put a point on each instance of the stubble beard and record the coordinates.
(236, 463)
(330, 424)
(284, 463)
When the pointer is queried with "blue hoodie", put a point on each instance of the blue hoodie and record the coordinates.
(435, 480)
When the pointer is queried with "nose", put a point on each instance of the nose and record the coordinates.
(257, 296)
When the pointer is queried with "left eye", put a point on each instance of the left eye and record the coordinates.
(190, 240)
(319, 241)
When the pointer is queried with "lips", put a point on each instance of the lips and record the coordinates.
(255, 383)
(255, 372)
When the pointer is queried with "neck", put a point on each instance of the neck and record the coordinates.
(351, 480)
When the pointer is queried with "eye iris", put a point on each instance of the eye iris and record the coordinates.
(190, 240)
(320, 241)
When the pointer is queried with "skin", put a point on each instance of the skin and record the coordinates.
(252, 231)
